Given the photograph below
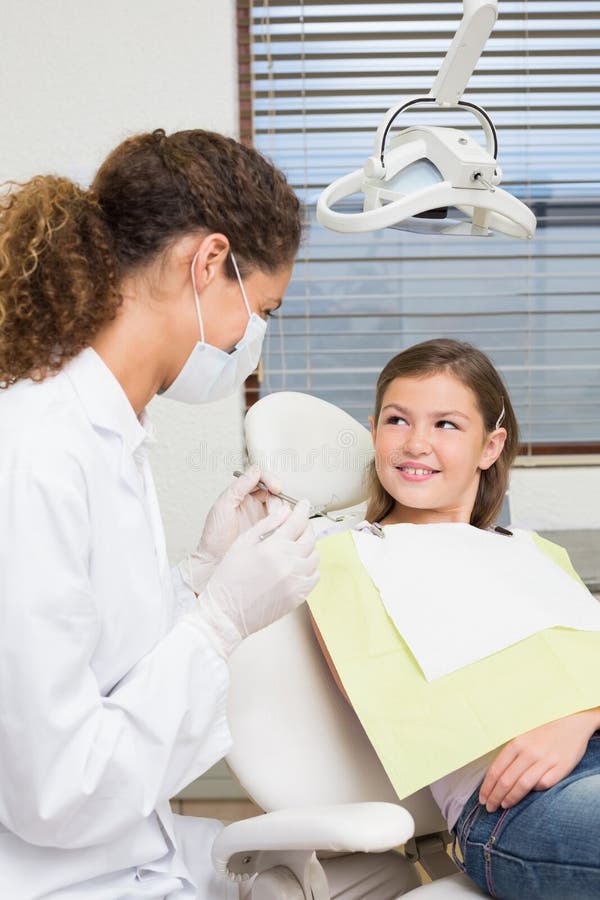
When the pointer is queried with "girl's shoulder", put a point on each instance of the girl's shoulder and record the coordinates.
(555, 552)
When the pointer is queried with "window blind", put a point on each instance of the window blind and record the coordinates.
(317, 78)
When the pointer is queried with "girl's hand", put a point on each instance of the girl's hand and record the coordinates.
(538, 759)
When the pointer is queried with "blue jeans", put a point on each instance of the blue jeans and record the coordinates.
(546, 847)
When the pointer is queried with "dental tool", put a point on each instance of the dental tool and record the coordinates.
(313, 511)
(430, 169)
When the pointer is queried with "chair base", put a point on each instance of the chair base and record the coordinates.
(383, 876)
(454, 887)
(378, 876)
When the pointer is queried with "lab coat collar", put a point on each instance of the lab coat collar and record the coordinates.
(106, 403)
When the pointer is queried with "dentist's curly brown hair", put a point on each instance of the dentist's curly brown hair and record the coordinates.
(64, 251)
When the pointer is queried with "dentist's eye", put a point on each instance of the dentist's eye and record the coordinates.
(446, 424)
(271, 314)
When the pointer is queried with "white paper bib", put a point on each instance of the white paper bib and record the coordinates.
(458, 594)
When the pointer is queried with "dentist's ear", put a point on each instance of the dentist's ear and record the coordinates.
(209, 258)
(494, 444)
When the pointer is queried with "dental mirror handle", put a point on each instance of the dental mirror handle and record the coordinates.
(261, 486)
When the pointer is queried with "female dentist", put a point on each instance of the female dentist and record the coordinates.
(113, 672)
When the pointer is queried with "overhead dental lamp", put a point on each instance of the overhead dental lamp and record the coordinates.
(429, 170)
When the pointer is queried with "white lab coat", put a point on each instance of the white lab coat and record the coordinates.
(111, 700)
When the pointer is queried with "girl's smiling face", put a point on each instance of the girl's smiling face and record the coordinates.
(430, 447)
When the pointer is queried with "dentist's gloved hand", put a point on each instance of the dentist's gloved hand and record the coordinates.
(258, 581)
(239, 507)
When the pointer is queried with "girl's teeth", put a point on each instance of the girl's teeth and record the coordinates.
(416, 471)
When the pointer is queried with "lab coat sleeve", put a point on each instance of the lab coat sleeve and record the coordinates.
(79, 768)
(185, 598)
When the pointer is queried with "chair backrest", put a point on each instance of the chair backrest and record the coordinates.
(296, 741)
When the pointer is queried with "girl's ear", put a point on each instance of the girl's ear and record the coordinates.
(373, 429)
(494, 444)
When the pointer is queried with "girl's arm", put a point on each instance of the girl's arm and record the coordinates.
(328, 658)
(538, 759)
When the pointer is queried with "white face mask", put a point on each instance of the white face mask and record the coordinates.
(210, 373)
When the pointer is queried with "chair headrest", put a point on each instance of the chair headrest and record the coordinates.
(317, 450)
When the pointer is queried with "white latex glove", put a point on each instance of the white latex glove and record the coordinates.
(238, 508)
(258, 581)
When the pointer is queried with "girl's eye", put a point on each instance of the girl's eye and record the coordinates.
(395, 420)
(446, 424)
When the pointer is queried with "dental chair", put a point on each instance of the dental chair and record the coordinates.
(332, 818)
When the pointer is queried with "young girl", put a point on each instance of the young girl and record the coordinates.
(526, 817)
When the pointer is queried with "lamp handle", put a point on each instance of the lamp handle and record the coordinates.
(491, 137)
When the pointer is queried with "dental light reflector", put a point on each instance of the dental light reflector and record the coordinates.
(429, 170)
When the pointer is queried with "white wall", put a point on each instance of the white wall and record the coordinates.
(550, 498)
(77, 78)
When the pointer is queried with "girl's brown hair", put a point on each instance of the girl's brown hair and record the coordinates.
(64, 251)
(473, 369)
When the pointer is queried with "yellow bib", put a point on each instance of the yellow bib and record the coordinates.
(423, 730)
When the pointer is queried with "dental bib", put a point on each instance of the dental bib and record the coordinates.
(424, 729)
(458, 594)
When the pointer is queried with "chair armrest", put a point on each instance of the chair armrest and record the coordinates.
(348, 828)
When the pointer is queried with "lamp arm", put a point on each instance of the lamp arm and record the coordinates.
(479, 18)
(476, 25)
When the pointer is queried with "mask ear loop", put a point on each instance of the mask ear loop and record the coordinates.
(197, 298)
(500, 418)
(241, 283)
